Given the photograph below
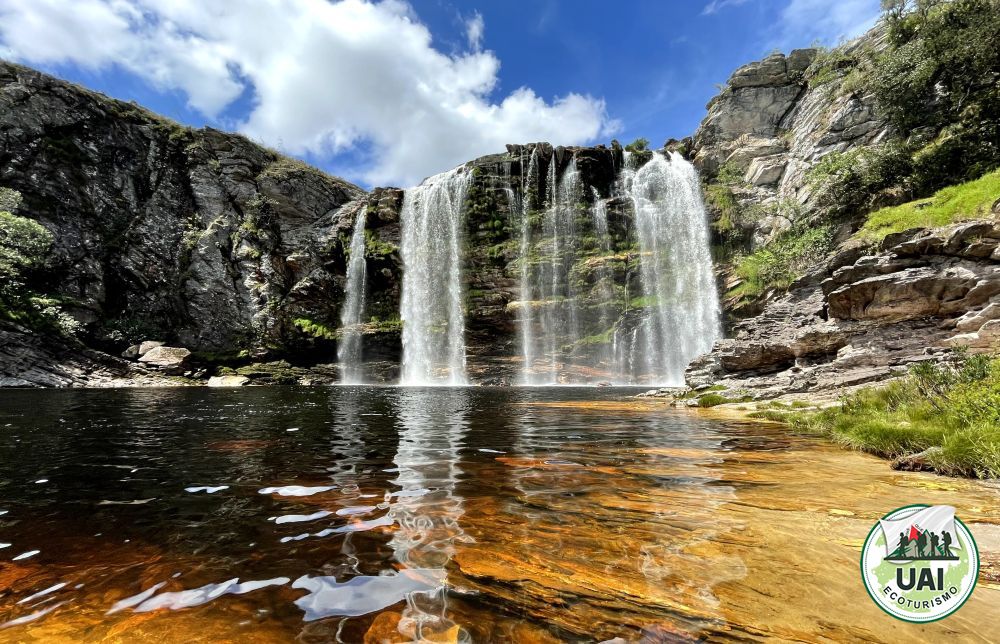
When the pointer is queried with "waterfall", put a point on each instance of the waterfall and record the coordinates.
(679, 298)
(526, 304)
(431, 307)
(353, 310)
(545, 275)
(605, 289)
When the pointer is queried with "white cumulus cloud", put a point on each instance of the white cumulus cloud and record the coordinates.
(325, 77)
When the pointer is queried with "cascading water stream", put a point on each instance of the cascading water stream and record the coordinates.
(431, 306)
(352, 313)
(605, 290)
(526, 303)
(549, 278)
(675, 267)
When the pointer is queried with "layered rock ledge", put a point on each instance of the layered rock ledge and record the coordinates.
(867, 315)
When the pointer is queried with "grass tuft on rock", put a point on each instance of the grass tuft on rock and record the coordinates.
(950, 412)
(969, 200)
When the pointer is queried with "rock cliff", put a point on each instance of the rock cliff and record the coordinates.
(208, 241)
(866, 317)
(194, 236)
(862, 311)
(774, 120)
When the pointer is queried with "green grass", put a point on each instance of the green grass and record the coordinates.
(953, 411)
(952, 204)
(782, 261)
(713, 399)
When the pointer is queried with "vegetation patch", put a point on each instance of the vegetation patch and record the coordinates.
(24, 246)
(950, 413)
(969, 200)
(713, 399)
(315, 329)
(782, 261)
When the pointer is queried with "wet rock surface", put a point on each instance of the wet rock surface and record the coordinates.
(28, 359)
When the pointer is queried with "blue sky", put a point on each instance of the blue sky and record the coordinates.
(389, 93)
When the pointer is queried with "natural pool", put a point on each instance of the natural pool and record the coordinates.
(475, 514)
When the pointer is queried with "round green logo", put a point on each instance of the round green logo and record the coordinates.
(920, 563)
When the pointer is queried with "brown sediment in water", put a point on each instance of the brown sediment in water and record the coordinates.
(711, 530)
(769, 549)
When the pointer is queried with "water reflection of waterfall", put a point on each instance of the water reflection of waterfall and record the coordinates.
(431, 307)
(426, 508)
(353, 310)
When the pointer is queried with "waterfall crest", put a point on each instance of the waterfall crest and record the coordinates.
(431, 305)
(352, 313)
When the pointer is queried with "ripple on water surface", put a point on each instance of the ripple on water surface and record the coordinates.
(442, 514)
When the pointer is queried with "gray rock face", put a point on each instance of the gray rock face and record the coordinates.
(872, 316)
(201, 237)
(771, 125)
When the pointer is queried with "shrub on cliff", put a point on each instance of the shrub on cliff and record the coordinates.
(639, 145)
(786, 258)
(24, 243)
(938, 81)
(850, 182)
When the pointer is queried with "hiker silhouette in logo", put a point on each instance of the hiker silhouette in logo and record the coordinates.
(904, 542)
(921, 544)
(934, 545)
(946, 548)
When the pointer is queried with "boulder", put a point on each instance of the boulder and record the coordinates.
(974, 320)
(762, 73)
(228, 381)
(171, 360)
(987, 337)
(146, 346)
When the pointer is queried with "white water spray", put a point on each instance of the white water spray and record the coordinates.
(679, 293)
(431, 307)
(352, 313)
